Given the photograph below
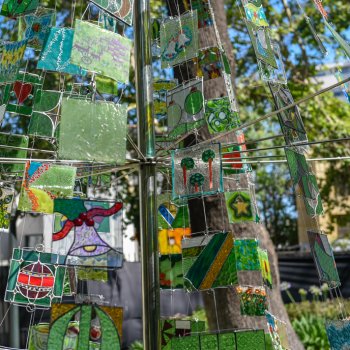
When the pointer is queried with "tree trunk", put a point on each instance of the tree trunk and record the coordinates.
(222, 305)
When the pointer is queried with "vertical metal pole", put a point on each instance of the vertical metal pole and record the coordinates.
(147, 176)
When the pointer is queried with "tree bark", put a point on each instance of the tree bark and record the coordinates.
(222, 305)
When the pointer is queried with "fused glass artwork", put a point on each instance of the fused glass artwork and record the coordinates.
(324, 259)
(172, 330)
(290, 120)
(173, 226)
(302, 176)
(92, 131)
(338, 333)
(160, 89)
(6, 199)
(265, 267)
(239, 206)
(342, 43)
(11, 57)
(255, 12)
(209, 262)
(43, 183)
(209, 342)
(107, 22)
(227, 341)
(197, 171)
(250, 339)
(39, 336)
(36, 27)
(253, 300)
(272, 74)
(99, 326)
(88, 232)
(92, 274)
(122, 9)
(101, 51)
(44, 119)
(14, 8)
(34, 279)
(209, 63)
(277, 331)
(56, 53)
(17, 148)
(170, 271)
(203, 11)
(185, 108)
(219, 115)
(260, 37)
(179, 39)
(247, 255)
(234, 156)
(19, 96)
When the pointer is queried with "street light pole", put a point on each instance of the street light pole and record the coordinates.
(147, 176)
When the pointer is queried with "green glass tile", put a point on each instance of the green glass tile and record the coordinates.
(16, 141)
(249, 340)
(209, 342)
(227, 341)
(93, 131)
(185, 343)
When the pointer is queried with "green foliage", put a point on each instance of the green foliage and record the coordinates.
(136, 346)
(312, 332)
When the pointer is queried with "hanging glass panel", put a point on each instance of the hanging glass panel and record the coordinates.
(203, 10)
(247, 255)
(240, 207)
(19, 96)
(14, 8)
(13, 146)
(338, 332)
(301, 175)
(36, 27)
(170, 271)
(219, 115)
(56, 53)
(322, 253)
(208, 64)
(12, 55)
(197, 171)
(99, 325)
(101, 51)
(6, 199)
(185, 108)
(93, 131)
(253, 300)
(265, 267)
(260, 37)
(43, 183)
(209, 262)
(122, 9)
(250, 339)
(88, 232)
(179, 39)
(255, 12)
(34, 279)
